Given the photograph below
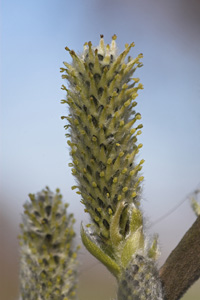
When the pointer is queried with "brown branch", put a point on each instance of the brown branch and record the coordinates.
(182, 267)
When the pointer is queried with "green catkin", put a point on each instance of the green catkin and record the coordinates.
(103, 131)
(100, 119)
(195, 204)
(48, 260)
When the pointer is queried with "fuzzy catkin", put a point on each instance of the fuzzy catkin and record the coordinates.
(101, 98)
(48, 260)
(103, 137)
(140, 280)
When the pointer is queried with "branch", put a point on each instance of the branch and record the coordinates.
(182, 267)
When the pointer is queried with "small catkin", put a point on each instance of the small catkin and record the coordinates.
(140, 280)
(48, 259)
(195, 203)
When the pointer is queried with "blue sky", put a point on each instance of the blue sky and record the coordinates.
(34, 152)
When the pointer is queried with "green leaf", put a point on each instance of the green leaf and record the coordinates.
(134, 243)
(99, 254)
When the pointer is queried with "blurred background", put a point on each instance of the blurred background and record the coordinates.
(34, 152)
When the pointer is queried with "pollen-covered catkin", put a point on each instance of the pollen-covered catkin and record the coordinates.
(101, 99)
(48, 259)
(103, 129)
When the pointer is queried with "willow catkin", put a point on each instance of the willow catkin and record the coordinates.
(48, 258)
(103, 135)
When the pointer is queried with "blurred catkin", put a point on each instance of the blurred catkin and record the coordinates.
(195, 203)
(103, 132)
(48, 258)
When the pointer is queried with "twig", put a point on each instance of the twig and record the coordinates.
(182, 268)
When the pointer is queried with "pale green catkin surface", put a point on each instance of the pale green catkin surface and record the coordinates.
(101, 97)
(103, 129)
(48, 260)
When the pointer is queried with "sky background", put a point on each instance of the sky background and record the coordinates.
(34, 152)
